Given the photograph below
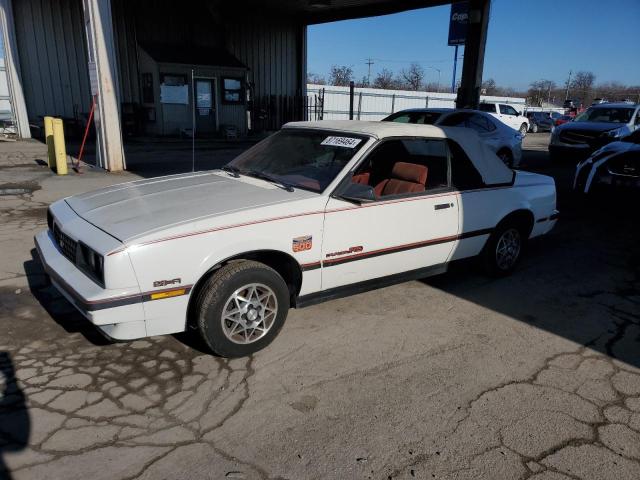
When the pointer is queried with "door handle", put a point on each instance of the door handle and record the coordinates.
(442, 206)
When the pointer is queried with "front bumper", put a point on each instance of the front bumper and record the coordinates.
(118, 314)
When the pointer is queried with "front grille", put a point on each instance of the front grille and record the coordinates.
(67, 245)
(578, 137)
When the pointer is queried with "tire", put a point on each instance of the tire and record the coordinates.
(523, 129)
(506, 156)
(534, 128)
(494, 262)
(247, 286)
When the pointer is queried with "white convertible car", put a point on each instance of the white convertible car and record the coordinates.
(316, 211)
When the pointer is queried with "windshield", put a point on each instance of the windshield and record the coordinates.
(426, 118)
(606, 115)
(307, 159)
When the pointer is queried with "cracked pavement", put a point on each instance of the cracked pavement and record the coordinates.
(535, 376)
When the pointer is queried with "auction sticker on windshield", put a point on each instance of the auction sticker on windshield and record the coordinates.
(346, 142)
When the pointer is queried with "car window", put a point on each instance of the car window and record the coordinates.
(508, 110)
(464, 175)
(428, 118)
(304, 158)
(479, 123)
(378, 168)
(487, 107)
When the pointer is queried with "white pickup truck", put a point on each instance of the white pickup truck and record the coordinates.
(507, 115)
(316, 211)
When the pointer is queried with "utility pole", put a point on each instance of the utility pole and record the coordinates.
(455, 66)
(369, 62)
(566, 93)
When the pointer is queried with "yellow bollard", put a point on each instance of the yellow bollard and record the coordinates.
(59, 147)
(48, 136)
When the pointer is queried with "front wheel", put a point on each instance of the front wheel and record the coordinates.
(523, 129)
(241, 308)
(503, 249)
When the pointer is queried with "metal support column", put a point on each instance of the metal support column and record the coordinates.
(471, 81)
(12, 64)
(103, 75)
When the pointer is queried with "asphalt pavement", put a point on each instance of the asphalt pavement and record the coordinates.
(461, 376)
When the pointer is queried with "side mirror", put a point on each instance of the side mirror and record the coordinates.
(359, 193)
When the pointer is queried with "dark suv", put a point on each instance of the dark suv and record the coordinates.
(539, 121)
(594, 128)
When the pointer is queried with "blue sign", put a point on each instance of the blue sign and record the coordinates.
(458, 23)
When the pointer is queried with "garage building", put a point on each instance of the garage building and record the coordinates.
(144, 63)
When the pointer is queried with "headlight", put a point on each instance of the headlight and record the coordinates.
(90, 262)
(617, 133)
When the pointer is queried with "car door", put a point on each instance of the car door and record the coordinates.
(400, 231)
(509, 116)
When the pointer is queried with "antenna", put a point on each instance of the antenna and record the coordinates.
(193, 124)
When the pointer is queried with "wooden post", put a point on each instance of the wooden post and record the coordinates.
(59, 147)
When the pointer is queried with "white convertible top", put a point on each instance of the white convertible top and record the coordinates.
(492, 169)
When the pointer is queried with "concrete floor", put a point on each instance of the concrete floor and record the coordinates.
(535, 376)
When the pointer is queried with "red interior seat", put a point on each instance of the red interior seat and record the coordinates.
(405, 178)
(362, 178)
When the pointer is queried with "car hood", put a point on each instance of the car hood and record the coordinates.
(590, 126)
(616, 147)
(130, 210)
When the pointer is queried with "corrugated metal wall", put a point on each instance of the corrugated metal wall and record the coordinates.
(126, 50)
(271, 48)
(53, 57)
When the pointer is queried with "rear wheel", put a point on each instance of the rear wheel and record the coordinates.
(534, 128)
(241, 308)
(504, 249)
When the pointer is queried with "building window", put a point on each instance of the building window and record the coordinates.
(232, 90)
(174, 89)
(173, 80)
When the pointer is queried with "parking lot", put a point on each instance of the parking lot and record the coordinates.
(460, 376)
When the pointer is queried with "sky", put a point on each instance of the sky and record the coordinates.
(527, 41)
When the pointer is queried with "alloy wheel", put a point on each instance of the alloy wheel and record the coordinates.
(249, 313)
(508, 249)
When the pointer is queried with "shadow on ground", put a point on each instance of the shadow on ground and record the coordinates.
(15, 422)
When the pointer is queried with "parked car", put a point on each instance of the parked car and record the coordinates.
(594, 128)
(617, 164)
(507, 115)
(540, 121)
(504, 141)
(562, 120)
(317, 211)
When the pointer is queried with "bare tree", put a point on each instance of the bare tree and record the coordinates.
(413, 77)
(542, 91)
(364, 82)
(432, 87)
(489, 87)
(316, 79)
(384, 79)
(341, 75)
(582, 85)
